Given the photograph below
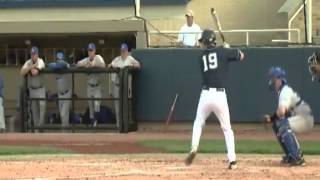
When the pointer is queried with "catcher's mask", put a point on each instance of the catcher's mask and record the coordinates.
(207, 37)
(314, 60)
(276, 72)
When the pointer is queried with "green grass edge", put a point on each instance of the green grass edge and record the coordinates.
(310, 147)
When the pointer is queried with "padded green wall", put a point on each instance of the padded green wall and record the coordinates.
(166, 72)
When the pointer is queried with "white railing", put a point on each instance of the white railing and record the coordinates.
(246, 32)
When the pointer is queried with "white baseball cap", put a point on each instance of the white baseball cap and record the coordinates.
(189, 13)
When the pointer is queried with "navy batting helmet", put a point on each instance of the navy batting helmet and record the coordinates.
(207, 37)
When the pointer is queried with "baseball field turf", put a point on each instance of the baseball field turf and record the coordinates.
(243, 146)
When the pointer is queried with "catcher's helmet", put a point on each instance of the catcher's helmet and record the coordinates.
(276, 72)
(207, 37)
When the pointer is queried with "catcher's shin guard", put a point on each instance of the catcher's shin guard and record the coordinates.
(288, 139)
(276, 132)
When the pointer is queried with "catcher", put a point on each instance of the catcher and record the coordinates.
(292, 115)
(314, 66)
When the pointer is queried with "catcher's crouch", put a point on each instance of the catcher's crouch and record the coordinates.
(293, 115)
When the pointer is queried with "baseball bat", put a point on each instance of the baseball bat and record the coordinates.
(171, 110)
(216, 21)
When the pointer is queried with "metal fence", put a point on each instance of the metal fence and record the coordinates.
(127, 121)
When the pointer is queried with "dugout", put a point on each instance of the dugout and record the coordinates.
(77, 119)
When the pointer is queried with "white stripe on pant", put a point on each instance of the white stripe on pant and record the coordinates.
(214, 101)
(2, 119)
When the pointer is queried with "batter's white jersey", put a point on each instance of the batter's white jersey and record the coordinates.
(301, 119)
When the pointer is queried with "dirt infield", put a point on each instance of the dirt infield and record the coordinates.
(153, 166)
(130, 160)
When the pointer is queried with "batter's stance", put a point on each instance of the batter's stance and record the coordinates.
(214, 67)
(293, 115)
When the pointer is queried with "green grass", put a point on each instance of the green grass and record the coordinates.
(26, 150)
(218, 146)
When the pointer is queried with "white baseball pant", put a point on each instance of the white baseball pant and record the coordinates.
(64, 108)
(94, 105)
(214, 101)
(2, 118)
(38, 107)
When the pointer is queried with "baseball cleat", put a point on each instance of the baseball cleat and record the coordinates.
(233, 165)
(285, 160)
(188, 161)
(300, 162)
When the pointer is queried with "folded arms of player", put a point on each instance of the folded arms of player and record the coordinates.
(97, 61)
(32, 68)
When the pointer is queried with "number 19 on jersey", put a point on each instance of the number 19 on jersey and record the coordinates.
(210, 61)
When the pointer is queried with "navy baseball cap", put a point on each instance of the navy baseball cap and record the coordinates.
(60, 55)
(34, 50)
(124, 46)
(91, 46)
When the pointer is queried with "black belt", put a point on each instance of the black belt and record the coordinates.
(217, 89)
(36, 87)
(94, 85)
(63, 92)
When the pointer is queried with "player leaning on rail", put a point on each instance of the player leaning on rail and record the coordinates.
(293, 115)
(31, 69)
(93, 82)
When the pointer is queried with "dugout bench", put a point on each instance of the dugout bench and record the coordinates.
(127, 119)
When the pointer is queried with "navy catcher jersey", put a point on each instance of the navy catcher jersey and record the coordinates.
(214, 65)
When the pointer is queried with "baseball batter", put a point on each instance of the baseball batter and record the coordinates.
(93, 87)
(124, 60)
(32, 68)
(292, 115)
(214, 67)
(63, 87)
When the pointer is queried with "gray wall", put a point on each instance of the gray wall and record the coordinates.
(166, 72)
